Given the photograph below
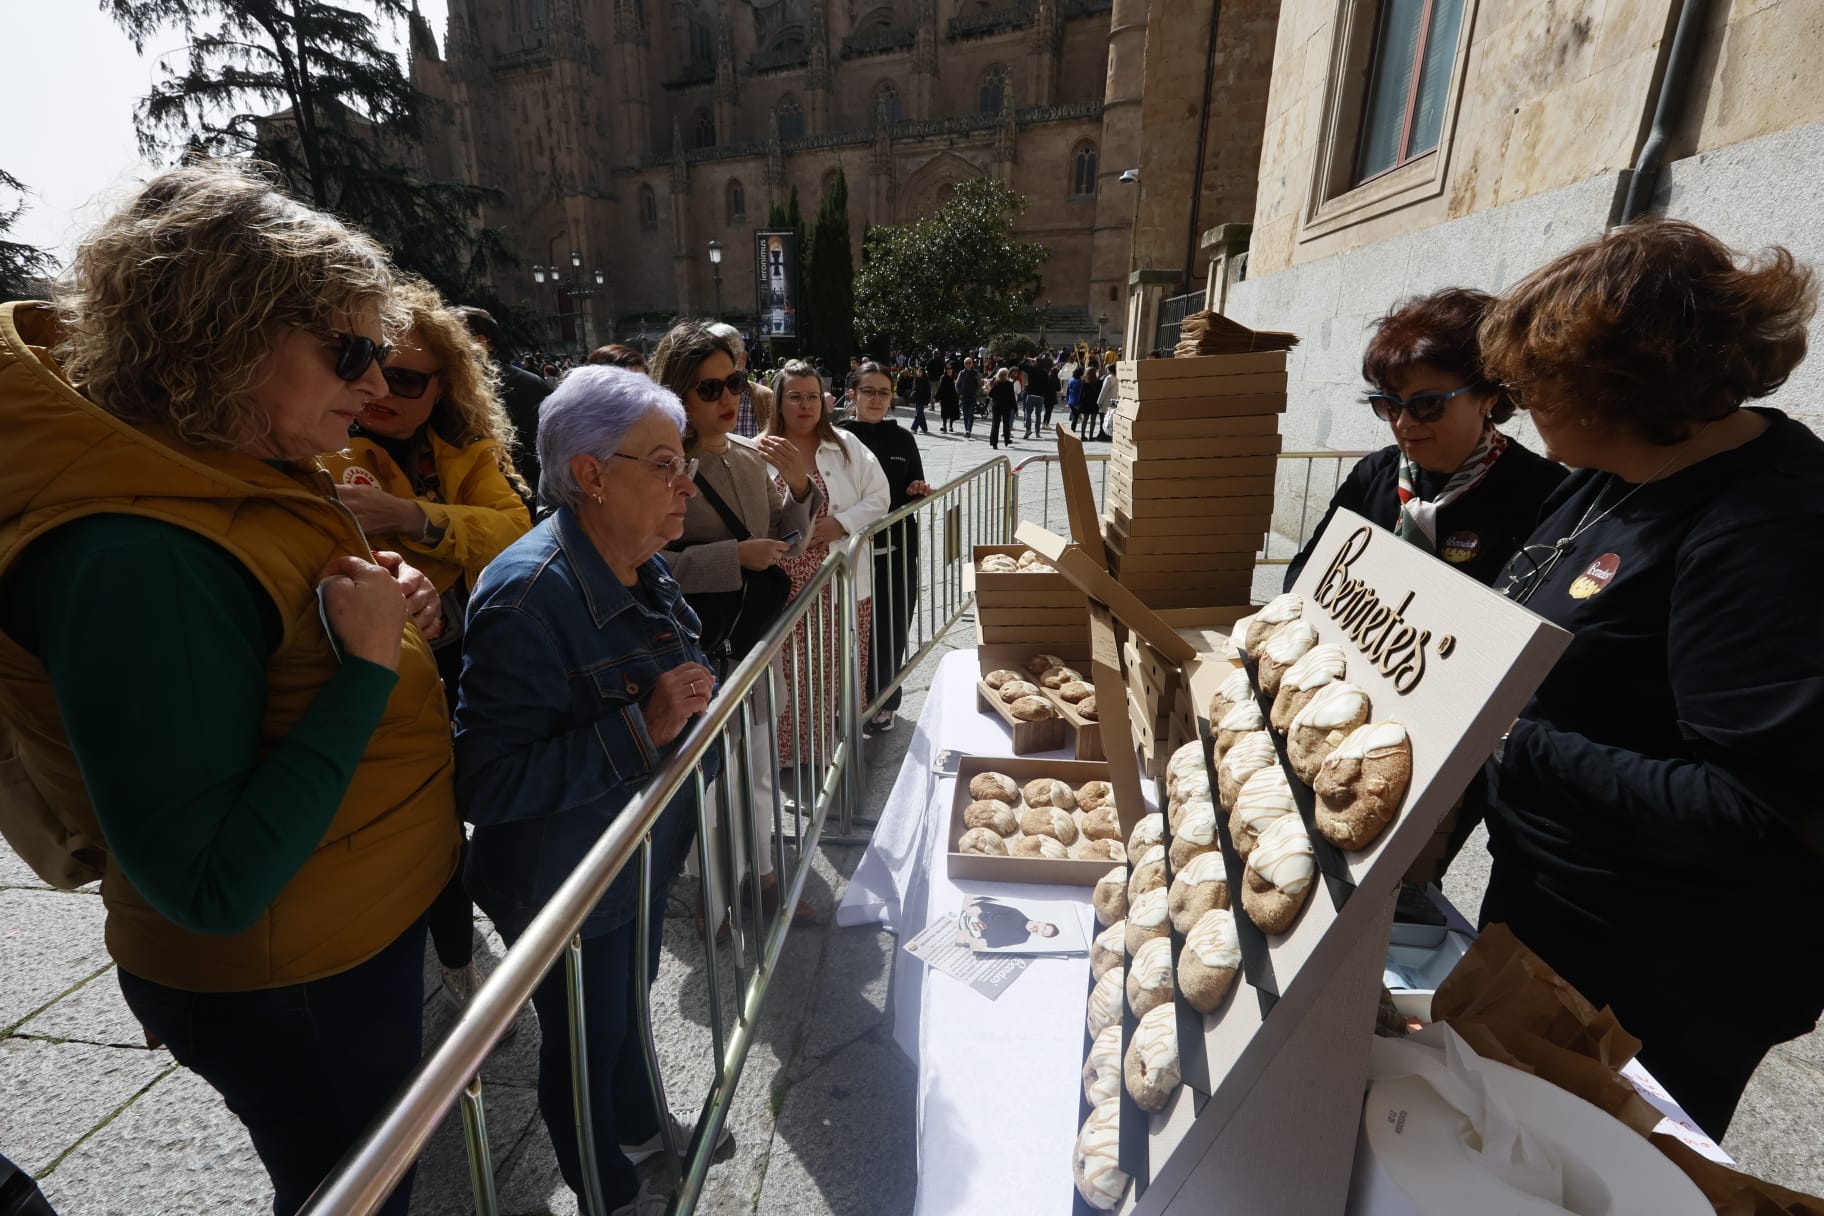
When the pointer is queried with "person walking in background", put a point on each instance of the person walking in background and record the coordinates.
(1032, 400)
(948, 399)
(1108, 400)
(968, 390)
(921, 397)
(1002, 404)
(1090, 401)
(1048, 387)
(520, 390)
(1073, 396)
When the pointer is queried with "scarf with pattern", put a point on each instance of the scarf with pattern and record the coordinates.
(1418, 522)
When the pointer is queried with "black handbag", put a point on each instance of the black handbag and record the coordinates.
(734, 622)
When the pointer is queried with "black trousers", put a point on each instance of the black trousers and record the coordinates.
(452, 915)
(1001, 424)
(895, 595)
(306, 1067)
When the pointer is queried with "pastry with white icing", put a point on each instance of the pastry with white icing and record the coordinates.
(1052, 821)
(1280, 872)
(1097, 1160)
(993, 814)
(1192, 788)
(1187, 759)
(1093, 794)
(1209, 960)
(1280, 610)
(1195, 833)
(1148, 916)
(1288, 644)
(1102, 824)
(1321, 665)
(1013, 690)
(1109, 949)
(1105, 1001)
(984, 842)
(1266, 796)
(1110, 896)
(1001, 677)
(1098, 850)
(1032, 709)
(1244, 718)
(999, 563)
(1248, 756)
(1230, 693)
(1045, 848)
(1048, 792)
(1147, 833)
(1322, 725)
(1149, 977)
(1148, 875)
(997, 786)
(1151, 1066)
(1039, 664)
(1032, 561)
(1360, 785)
(1102, 1070)
(1197, 888)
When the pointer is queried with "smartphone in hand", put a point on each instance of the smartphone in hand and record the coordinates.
(790, 539)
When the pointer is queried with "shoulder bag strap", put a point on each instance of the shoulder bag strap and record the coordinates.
(729, 518)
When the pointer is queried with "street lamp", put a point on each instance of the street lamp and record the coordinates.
(715, 269)
(585, 293)
(576, 260)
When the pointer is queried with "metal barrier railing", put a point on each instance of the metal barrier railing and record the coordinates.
(820, 713)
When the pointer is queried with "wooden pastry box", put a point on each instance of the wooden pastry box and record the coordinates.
(1068, 872)
(1079, 732)
(1039, 609)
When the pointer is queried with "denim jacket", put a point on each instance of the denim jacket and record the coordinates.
(551, 743)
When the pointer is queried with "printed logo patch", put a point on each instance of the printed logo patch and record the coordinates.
(355, 475)
(1460, 546)
(1600, 574)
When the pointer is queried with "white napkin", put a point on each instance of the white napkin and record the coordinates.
(1438, 1056)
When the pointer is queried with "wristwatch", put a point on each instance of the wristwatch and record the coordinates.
(430, 535)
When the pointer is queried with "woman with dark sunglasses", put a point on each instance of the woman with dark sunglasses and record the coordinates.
(208, 670)
(1450, 483)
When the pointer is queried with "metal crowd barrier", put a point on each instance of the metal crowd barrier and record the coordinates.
(791, 670)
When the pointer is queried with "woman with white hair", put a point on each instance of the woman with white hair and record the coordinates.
(583, 669)
(756, 406)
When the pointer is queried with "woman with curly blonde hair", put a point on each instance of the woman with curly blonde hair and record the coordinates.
(222, 694)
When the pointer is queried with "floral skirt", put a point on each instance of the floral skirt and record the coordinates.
(810, 673)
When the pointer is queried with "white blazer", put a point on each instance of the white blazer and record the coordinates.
(858, 492)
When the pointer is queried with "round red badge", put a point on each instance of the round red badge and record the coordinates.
(1600, 574)
(1460, 546)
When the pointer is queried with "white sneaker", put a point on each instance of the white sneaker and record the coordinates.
(654, 1199)
(882, 722)
(683, 1123)
(460, 983)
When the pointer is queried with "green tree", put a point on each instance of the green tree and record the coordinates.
(346, 120)
(950, 277)
(22, 266)
(832, 294)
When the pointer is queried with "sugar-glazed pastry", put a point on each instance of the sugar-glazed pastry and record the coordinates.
(1248, 756)
(1086, 709)
(1092, 794)
(1148, 916)
(1044, 848)
(1289, 643)
(1076, 692)
(1098, 850)
(999, 563)
(1151, 1066)
(1244, 719)
(1279, 875)
(1109, 948)
(1110, 896)
(1058, 677)
(1039, 664)
(1187, 759)
(1195, 833)
(1321, 665)
(1266, 797)
(1197, 888)
(1360, 784)
(1103, 824)
(993, 814)
(1278, 611)
(1147, 833)
(1209, 960)
(1232, 692)
(998, 786)
(1192, 788)
(1048, 792)
(1013, 690)
(1032, 709)
(1032, 561)
(1105, 1001)
(1149, 977)
(1102, 1070)
(1097, 1161)
(1001, 677)
(983, 841)
(1321, 726)
(1148, 875)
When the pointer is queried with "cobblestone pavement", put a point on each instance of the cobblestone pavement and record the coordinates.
(823, 1117)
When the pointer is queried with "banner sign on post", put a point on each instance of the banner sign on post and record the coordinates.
(776, 272)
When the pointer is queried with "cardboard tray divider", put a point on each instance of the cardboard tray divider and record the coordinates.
(1028, 737)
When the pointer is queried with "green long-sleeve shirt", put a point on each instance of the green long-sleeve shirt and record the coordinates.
(156, 642)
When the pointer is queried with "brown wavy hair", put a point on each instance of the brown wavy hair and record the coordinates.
(173, 306)
(1652, 327)
(677, 357)
(1439, 329)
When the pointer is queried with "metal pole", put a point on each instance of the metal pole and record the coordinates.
(481, 1161)
(579, 1081)
(642, 1005)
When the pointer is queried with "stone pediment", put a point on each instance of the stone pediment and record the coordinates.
(929, 185)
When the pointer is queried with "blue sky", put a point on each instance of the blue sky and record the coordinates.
(69, 89)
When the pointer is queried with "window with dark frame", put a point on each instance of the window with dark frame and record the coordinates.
(791, 119)
(993, 90)
(1083, 182)
(649, 208)
(886, 98)
(1415, 47)
(737, 203)
(705, 129)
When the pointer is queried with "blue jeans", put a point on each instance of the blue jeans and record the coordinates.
(306, 1067)
(1034, 404)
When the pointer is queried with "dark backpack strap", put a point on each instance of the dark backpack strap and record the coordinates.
(729, 519)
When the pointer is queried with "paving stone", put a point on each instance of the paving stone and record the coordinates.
(15, 873)
(1776, 1134)
(853, 994)
(442, 1185)
(94, 1013)
(57, 1092)
(50, 941)
(845, 1138)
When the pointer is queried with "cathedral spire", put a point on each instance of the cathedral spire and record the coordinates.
(775, 161)
(818, 78)
(728, 87)
(680, 164)
(1006, 137)
(1047, 52)
(924, 62)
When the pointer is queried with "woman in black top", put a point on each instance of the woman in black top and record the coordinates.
(1003, 401)
(1654, 813)
(1450, 483)
(949, 402)
(896, 549)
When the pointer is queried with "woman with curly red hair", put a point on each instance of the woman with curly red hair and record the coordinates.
(1451, 482)
(1653, 814)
